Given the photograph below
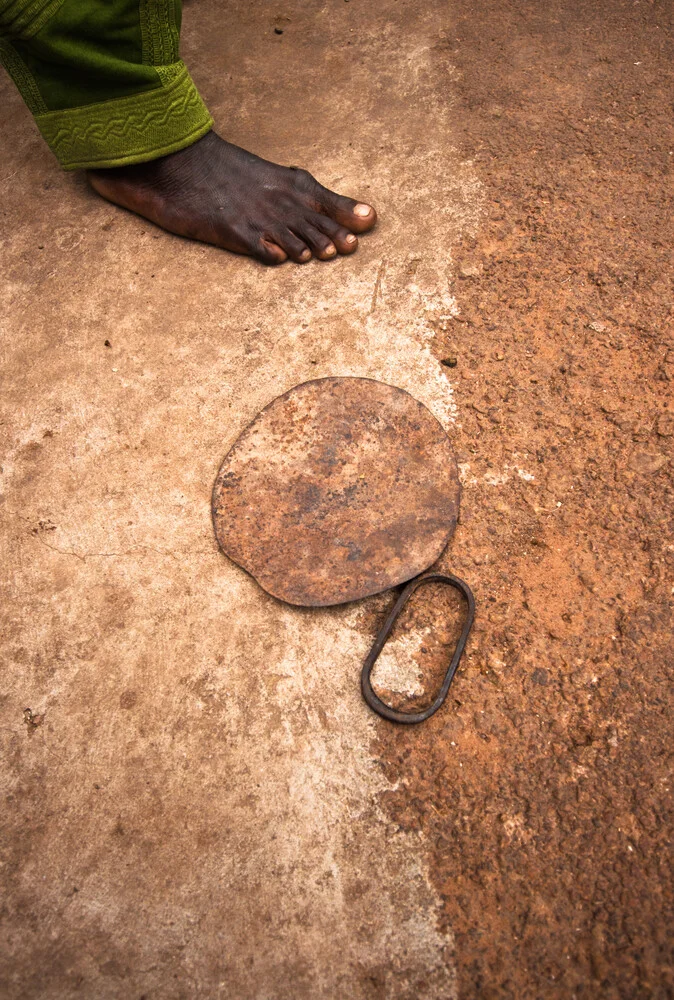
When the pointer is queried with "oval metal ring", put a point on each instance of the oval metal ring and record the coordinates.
(375, 703)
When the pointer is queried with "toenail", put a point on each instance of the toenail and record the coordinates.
(305, 255)
(362, 210)
(330, 251)
(350, 238)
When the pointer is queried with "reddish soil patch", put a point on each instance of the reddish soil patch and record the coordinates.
(544, 785)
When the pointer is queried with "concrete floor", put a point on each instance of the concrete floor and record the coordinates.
(197, 812)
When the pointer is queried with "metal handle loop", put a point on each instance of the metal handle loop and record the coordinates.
(375, 703)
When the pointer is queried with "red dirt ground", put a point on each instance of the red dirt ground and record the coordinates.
(545, 784)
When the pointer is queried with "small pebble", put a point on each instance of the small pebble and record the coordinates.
(647, 462)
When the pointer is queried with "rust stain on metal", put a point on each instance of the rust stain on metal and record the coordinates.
(340, 488)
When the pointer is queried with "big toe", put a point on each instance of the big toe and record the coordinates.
(356, 216)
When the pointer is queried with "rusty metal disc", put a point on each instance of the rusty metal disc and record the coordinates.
(340, 488)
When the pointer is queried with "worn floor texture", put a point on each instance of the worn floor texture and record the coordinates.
(195, 801)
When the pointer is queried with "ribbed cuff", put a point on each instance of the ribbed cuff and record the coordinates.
(129, 129)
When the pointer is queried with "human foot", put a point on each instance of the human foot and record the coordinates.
(218, 193)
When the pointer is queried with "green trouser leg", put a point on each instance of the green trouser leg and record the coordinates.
(103, 78)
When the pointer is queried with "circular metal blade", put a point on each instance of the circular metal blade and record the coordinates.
(340, 488)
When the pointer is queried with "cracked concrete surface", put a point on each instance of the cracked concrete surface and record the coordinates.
(191, 808)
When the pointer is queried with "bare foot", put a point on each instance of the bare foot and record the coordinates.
(218, 193)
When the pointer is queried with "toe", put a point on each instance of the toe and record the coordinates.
(293, 246)
(353, 215)
(345, 241)
(321, 245)
(269, 252)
